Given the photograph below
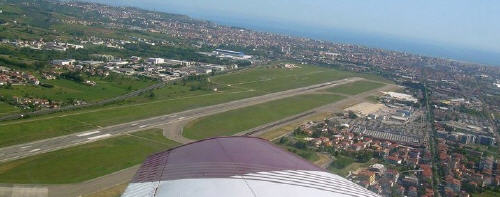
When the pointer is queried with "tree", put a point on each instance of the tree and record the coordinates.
(300, 145)
(40, 65)
(8, 86)
(74, 76)
(283, 140)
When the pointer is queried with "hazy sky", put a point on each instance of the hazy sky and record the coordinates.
(463, 23)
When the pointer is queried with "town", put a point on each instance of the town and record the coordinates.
(389, 143)
(86, 76)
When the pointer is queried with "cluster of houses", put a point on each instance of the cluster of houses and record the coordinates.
(63, 46)
(34, 103)
(331, 134)
(390, 182)
(42, 45)
(92, 68)
(8, 76)
(466, 170)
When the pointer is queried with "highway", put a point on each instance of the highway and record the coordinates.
(57, 143)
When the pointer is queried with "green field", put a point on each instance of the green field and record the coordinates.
(234, 121)
(372, 99)
(342, 165)
(173, 98)
(487, 194)
(6, 108)
(271, 79)
(65, 90)
(87, 161)
(309, 155)
(356, 87)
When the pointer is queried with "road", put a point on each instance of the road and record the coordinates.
(57, 143)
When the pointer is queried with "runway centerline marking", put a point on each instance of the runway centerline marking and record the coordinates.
(88, 133)
(99, 136)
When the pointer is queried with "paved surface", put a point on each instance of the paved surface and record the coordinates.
(23, 191)
(52, 144)
(69, 190)
(94, 185)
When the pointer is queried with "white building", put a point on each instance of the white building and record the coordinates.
(63, 62)
(118, 63)
(156, 60)
(177, 62)
(401, 96)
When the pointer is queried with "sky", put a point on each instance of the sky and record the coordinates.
(472, 24)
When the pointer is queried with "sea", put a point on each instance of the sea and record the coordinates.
(420, 47)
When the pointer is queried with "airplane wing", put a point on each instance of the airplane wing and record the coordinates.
(235, 166)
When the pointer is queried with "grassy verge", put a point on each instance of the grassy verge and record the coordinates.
(356, 87)
(234, 121)
(115, 191)
(487, 194)
(372, 99)
(309, 155)
(273, 134)
(86, 161)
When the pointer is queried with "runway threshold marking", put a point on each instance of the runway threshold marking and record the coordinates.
(99, 136)
(142, 126)
(88, 133)
(34, 150)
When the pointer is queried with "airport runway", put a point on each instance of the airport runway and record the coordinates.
(57, 143)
